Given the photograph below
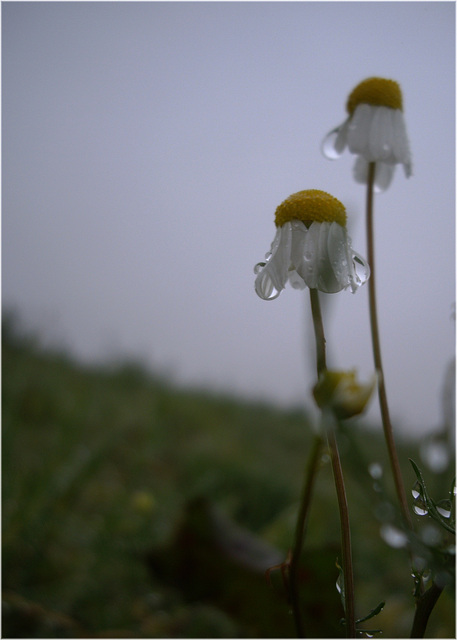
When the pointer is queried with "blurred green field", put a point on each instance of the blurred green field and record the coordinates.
(132, 508)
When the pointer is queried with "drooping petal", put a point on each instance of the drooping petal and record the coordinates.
(308, 268)
(299, 232)
(359, 129)
(327, 282)
(272, 275)
(401, 143)
(316, 268)
(381, 137)
(383, 173)
(339, 254)
(383, 176)
(295, 280)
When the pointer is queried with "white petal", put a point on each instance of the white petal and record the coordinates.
(339, 254)
(272, 277)
(383, 175)
(360, 170)
(316, 268)
(359, 129)
(299, 232)
(381, 141)
(327, 282)
(401, 143)
(308, 268)
(296, 281)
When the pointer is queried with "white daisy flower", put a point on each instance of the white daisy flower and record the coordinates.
(375, 131)
(311, 248)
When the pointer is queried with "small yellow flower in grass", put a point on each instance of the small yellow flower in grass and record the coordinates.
(342, 393)
(374, 130)
(311, 248)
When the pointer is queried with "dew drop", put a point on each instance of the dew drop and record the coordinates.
(436, 455)
(431, 535)
(444, 508)
(361, 268)
(258, 267)
(328, 145)
(419, 565)
(420, 510)
(394, 537)
(375, 470)
(416, 490)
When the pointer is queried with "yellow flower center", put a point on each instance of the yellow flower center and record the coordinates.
(378, 92)
(310, 206)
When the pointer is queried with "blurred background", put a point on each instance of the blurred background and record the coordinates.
(145, 148)
(156, 414)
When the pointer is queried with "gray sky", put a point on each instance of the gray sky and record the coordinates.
(146, 147)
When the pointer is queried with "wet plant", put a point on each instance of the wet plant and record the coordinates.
(312, 249)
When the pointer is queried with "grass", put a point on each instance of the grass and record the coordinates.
(132, 508)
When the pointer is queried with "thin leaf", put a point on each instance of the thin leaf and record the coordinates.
(374, 612)
(434, 513)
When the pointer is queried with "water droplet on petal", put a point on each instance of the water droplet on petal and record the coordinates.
(361, 268)
(328, 145)
(258, 267)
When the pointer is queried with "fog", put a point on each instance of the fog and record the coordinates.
(146, 147)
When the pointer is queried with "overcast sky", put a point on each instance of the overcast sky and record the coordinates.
(146, 147)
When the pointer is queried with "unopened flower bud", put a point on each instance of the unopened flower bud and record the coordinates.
(342, 393)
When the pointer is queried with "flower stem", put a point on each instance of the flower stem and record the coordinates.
(338, 476)
(345, 535)
(424, 607)
(310, 476)
(318, 331)
(387, 425)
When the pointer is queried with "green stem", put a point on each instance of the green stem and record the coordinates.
(424, 607)
(338, 476)
(345, 535)
(302, 520)
(318, 331)
(387, 425)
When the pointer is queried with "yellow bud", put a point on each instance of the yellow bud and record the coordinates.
(311, 206)
(340, 392)
(377, 92)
